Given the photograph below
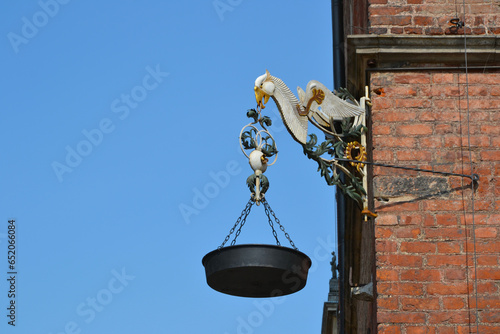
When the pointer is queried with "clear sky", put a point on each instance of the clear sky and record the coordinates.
(116, 115)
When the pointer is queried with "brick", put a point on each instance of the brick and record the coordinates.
(495, 91)
(486, 302)
(415, 130)
(447, 219)
(444, 78)
(418, 247)
(483, 205)
(413, 30)
(446, 330)
(434, 31)
(390, 303)
(488, 273)
(420, 330)
(396, 30)
(443, 205)
(389, 141)
(447, 289)
(445, 104)
(388, 10)
(477, 91)
(487, 260)
(491, 317)
(413, 219)
(446, 91)
(421, 275)
(414, 156)
(382, 130)
(382, 155)
(408, 232)
(394, 20)
(423, 20)
(479, 219)
(490, 155)
(412, 78)
(486, 247)
(480, 104)
(482, 115)
(401, 91)
(401, 317)
(454, 274)
(381, 80)
(489, 329)
(429, 220)
(452, 317)
(382, 232)
(453, 303)
(480, 78)
(385, 219)
(444, 128)
(488, 287)
(444, 233)
(394, 115)
(387, 275)
(401, 205)
(397, 288)
(445, 260)
(399, 260)
(386, 246)
(412, 103)
(462, 141)
(449, 247)
(471, 328)
(388, 329)
(486, 232)
(415, 304)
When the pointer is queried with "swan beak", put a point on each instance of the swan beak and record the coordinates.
(259, 95)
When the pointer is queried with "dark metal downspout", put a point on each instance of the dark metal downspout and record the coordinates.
(341, 218)
(338, 44)
(339, 80)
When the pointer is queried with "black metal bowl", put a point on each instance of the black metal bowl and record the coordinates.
(255, 270)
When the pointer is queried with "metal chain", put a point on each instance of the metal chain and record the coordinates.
(266, 209)
(282, 228)
(242, 219)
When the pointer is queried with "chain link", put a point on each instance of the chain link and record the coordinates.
(282, 228)
(266, 209)
(242, 219)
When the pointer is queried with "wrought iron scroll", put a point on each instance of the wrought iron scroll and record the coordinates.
(341, 146)
(263, 147)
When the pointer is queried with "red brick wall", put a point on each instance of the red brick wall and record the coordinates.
(432, 17)
(424, 246)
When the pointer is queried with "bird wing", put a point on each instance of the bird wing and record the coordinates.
(287, 106)
(332, 105)
(313, 110)
(302, 95)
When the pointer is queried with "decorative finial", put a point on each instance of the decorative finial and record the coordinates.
(333, 293)
(334, 265)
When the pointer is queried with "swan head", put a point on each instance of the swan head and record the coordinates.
(264, 88)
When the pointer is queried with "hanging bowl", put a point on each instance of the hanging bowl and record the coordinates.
(254, 270)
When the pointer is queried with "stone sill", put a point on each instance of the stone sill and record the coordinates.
(399, 52)
(371, 44)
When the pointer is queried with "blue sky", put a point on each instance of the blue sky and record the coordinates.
(115, 115)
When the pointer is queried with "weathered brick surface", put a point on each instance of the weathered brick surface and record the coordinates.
(425, 249)
(432, 17)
